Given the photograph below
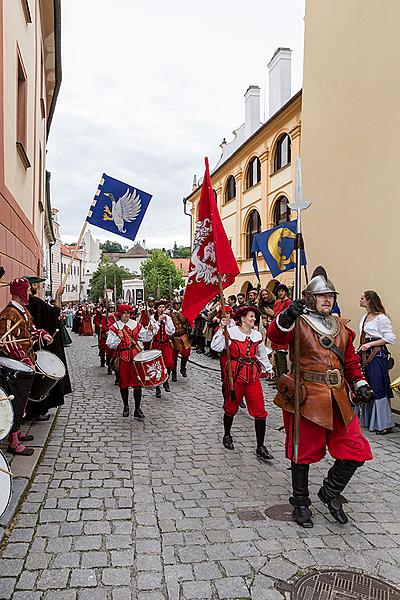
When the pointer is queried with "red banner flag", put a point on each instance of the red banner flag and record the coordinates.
(212, 254)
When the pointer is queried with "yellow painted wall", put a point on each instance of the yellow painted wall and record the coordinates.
(350, 156)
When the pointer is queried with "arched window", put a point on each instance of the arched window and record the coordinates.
(282, 152)
(230, 190)
(253, 227)
(281, 211)
(253, 174)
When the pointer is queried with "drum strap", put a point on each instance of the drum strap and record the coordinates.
(132, 341)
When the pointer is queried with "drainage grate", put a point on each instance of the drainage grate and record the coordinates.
(280, 512)
(343, 585)
(250, 514)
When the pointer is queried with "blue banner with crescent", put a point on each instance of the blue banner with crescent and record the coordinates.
(118, 207)
(277, 247)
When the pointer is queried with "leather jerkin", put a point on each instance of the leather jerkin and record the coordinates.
(318, 403)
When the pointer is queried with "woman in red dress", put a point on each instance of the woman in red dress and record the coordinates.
(87, 328)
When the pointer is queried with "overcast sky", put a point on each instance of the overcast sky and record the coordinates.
(149, 89)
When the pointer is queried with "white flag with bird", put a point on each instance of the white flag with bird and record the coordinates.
(126, 208)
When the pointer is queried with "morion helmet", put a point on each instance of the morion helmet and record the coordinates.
(318, 285)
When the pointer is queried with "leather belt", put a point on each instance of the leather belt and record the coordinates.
(333, 378)
(244, 361)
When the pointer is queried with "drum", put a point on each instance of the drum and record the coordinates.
(16, 378)
(150, 368)
(49, 371)
(5, 485)
(6, 414)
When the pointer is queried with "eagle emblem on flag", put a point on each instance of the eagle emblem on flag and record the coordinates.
(126, 208)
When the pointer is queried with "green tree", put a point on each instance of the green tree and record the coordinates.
(109, 246)
(182, 252)
(160, 275)
(105, 275)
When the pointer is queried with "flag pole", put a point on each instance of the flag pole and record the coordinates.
(226, 336)
(299, 205)
(67, 272)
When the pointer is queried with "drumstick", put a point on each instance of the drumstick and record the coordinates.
(6, 472)
(10, 330)
(15, 341)
(10, 398)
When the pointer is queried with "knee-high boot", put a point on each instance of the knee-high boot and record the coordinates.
(300, 500)
(125, 400)
(184, 361)
(137, 394)
(227, 439)
(173, 373)
(261, 452)
(333, 485)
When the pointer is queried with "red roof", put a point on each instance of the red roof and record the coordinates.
(182, 264)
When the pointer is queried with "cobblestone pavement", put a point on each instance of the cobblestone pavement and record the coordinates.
(119, 509)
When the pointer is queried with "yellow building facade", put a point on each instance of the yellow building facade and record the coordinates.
(351, 173)
(253, 187)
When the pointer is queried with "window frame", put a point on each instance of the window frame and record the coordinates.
(277, 206)
(251, 233)
(226, 194)
(250, 172)
(278, 163)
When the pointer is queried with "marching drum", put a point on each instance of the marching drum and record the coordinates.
(5, 484)
(49, 371)
(150, 368)
(6, 414)
(16, 378)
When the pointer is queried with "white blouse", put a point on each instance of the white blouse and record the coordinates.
(218, 344)
(169, 326)
(379, 328)
(113, 340)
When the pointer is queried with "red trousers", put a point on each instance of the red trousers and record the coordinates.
(167, 354)
(344, 443)
(127, 375)
(184, 352)
(254, 396)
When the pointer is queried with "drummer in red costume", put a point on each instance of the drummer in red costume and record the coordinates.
(123, 337)
(21, 351)
(249, 357)
(329, 368)
(163, 328)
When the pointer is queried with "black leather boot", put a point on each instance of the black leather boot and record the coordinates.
(261, 452)
(184, 362)
(334, 483)
(227, 439)
(137, 394)
(125, 400)
(300, 500)
(158, 392)
(173, 374)
(166, 386)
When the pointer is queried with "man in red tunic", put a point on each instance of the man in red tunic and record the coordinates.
(123, 337)
(249, 357)
(280, 350)
(329, 367)
(163, 329)
(101, 329)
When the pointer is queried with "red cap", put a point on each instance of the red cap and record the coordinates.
(243, 310)
(19, 287)
(124, 308)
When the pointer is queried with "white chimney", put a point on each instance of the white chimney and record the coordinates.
(280, 77)
(252, 110)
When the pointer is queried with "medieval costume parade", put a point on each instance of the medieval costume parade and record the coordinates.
(18, 336)
(329, 368)
(86, 326)
(162, 328)
(249, 357)
(180, 339)
(123, 337)
(101, 329)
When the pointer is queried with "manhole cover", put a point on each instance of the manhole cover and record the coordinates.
(343, 585)
(250, 514)
(280, 512)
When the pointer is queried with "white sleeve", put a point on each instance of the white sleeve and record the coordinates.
(145, 335)
(262, 355)
(169, 326)
(112, 341)
(386, 330)
(218, 341)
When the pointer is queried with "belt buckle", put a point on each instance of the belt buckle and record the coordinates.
(333, 378)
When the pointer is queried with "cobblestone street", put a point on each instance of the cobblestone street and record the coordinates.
(120, 509)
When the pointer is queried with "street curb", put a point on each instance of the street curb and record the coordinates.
(23, 471)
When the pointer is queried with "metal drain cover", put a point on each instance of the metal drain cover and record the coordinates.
(280, 512)
(250, 514)
(343, 585)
